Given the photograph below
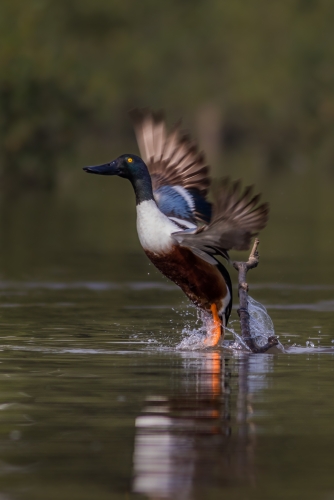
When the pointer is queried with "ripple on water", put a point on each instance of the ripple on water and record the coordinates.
(192, 335)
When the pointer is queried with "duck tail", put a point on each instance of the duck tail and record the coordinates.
(222, 269)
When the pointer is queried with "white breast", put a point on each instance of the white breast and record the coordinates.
(154, 228)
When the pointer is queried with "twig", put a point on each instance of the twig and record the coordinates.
(243, 268)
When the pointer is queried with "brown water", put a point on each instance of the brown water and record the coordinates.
(97, 401)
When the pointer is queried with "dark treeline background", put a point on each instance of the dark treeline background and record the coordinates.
(254, 82)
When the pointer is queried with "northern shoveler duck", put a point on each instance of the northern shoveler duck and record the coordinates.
(180, 231)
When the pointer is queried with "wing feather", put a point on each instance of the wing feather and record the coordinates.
(237, 217)
(172, 159)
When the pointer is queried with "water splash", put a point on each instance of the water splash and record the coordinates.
(260, 322)
(261, 327)
(193, 338)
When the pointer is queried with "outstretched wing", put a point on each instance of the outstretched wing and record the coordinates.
(174, 161)
(237, 217)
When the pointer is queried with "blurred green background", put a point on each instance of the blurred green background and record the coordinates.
(253, 81)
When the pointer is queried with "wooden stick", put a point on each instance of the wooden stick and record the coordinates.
(243, 268)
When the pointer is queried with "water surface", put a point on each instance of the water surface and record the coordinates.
(97, 401)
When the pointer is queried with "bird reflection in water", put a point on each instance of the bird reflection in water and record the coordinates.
(202, 436)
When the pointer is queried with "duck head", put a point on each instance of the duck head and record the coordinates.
(127, 166)
(130, 167)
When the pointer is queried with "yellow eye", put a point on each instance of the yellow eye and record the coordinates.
(130, 160)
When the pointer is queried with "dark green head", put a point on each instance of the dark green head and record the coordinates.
(130, 167)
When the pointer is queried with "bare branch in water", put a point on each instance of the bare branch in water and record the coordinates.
(243, 268)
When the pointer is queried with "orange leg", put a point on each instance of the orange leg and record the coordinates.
(215, 333)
